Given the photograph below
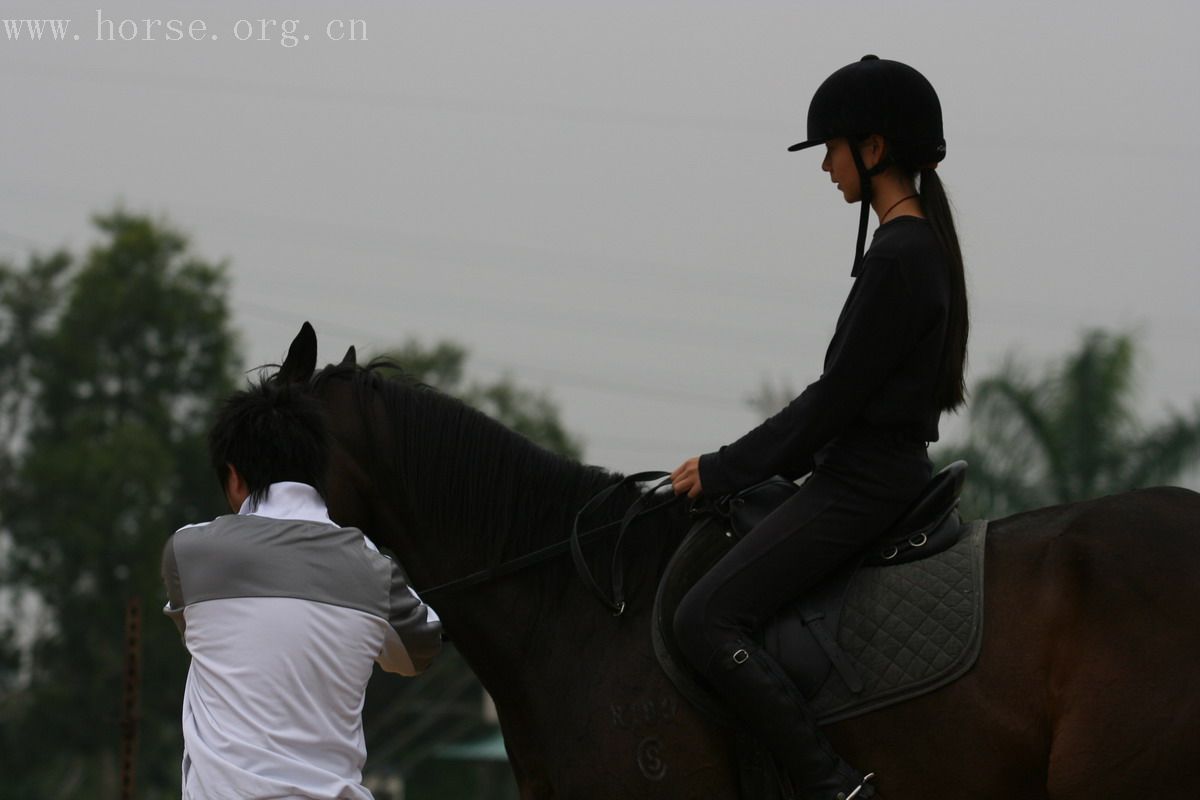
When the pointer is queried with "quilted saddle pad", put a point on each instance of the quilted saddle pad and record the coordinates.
(899, 631)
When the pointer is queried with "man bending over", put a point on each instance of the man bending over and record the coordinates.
(283, 613)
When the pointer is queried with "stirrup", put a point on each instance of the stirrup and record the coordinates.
(857, 789)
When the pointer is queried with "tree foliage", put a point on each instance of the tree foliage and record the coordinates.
(770, 397)
(112, 367)
(1068, 433)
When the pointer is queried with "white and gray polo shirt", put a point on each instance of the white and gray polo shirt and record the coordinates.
(284, 613)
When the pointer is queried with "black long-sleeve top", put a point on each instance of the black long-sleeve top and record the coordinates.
(881, 368)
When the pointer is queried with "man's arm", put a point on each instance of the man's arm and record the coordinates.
(414, 635)
(170, 576)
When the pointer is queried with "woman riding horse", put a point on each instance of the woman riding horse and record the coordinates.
(862, 430)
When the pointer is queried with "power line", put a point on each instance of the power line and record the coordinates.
(725, 331)
(563, 377)
(408, 102)
(566, 378)
(25, 242)
(559, 376)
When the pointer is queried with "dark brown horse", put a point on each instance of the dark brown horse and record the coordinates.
(1088, 684)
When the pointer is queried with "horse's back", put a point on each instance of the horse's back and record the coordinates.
(1122, 563)
(1084, 685)
(1112, 587)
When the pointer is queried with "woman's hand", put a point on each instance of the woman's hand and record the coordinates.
(686, 478)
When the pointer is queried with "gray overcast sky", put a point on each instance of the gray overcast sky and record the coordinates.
(597, 197)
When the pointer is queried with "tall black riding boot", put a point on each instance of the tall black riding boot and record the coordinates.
(768, 705)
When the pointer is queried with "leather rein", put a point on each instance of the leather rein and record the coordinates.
(575, 543)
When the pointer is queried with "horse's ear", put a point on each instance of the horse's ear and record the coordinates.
(301, 358)
(351, 357)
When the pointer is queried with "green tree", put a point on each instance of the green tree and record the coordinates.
(770, 397)
(110, 370)
(1068, 433)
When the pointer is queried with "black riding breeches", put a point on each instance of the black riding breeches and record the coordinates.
(855, 493)
(843, 506)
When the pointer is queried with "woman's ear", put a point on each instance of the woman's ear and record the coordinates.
(874, 147)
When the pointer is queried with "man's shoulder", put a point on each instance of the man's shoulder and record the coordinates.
(250, 538)
(186, 535)
(253, 556)
(209, 526)
(242, 524)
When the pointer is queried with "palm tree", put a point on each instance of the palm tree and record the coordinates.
(1068, 434)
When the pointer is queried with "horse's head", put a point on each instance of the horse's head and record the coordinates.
(353, 492)
(446, 487)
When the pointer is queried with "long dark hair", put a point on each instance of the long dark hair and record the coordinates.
(952, 386)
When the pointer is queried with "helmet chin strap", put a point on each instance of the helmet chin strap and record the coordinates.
(864, 182)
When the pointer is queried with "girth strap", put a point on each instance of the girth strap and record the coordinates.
(815, 622)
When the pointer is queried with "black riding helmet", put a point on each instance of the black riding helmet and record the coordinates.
(874, 95)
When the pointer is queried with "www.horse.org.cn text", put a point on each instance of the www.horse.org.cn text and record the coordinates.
(283, 32)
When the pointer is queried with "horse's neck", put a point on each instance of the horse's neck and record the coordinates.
(479, 525)
(541, 520)
(509, 500)
(555, 660)
(515, 629)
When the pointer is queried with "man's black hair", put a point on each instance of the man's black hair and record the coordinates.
(271, 432)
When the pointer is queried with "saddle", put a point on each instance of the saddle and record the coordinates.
(902, 619)
(926, 527)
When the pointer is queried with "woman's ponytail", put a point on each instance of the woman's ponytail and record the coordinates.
(952, 389)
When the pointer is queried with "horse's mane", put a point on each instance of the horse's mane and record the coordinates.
(463, 472)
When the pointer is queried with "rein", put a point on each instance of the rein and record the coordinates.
(617, 602)
(573, 544)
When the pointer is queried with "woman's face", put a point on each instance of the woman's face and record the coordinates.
(839, 163)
